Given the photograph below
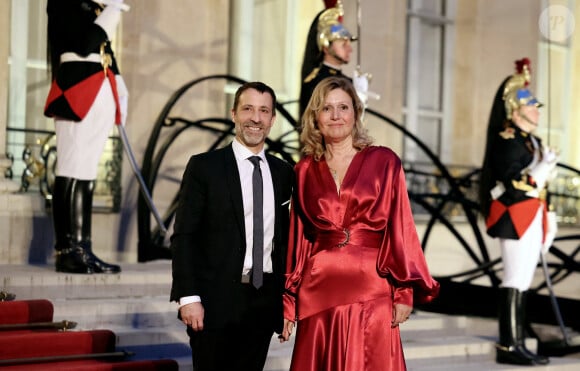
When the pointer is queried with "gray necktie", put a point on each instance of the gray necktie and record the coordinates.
(258, 248)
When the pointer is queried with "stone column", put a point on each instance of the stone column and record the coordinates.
(25, 236)
(6, 185)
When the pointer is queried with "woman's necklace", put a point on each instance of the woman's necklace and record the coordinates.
(334, 174)
(337, 182)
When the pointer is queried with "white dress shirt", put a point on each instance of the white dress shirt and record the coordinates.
(246, 169)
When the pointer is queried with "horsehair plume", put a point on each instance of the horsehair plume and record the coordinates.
(523, 65)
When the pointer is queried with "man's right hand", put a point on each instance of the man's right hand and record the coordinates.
(192, 315)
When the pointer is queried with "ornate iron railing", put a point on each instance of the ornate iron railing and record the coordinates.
(441, 195)
(37, 168)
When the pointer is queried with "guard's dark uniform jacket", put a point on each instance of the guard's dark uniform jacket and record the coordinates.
(512, 211)
(317, 75)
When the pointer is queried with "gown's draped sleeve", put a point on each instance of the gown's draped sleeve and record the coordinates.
(400, 255)
(298, 251)
(373, 211)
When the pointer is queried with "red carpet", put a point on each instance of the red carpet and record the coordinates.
(93, 365)
(27, 349)
(25, 311)
(26, 344)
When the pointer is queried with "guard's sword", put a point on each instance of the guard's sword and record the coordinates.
(358, 23)
(553, 300)
(142, 185)
(370, 94)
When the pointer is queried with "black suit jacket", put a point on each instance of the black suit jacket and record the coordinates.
(209, 244)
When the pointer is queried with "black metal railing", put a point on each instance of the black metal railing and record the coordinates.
(152, 243)
(441, 195)
(37, 162)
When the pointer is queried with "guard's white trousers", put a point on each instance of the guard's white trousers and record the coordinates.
(80, 144)
(520, 257)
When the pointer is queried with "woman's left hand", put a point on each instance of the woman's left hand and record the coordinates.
(401, 313)
(287, 330)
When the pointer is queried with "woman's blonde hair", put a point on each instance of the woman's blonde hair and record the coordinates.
(310, 137)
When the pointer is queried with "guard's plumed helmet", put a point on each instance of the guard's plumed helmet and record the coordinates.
(330, 27)
(516, 92)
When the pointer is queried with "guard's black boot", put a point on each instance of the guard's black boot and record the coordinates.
(521, 313)
(73, 260)
(510, 348)
(84, 205)
(69, 257)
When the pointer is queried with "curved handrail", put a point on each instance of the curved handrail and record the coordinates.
(433, 203)
(149, 243)
(455, 193)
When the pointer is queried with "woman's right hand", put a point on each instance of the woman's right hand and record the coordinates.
(286, 331)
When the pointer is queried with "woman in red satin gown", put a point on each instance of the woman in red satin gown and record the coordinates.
(355, 262)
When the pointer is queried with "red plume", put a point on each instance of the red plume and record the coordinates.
(521, 63)
(329, 3)
(332, 4)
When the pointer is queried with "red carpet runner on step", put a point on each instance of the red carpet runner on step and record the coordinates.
(31, 349)
(25, 311)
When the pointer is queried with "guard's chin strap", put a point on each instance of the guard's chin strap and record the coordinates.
(334, 55)
(528, 120)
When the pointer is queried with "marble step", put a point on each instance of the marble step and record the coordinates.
(155, 344)
(173, 342)
(443, 346)
(153, 321)
(443, 353)
(134, 305)
(139, 313)
(426, 324)
(485, 363)
(136, 280)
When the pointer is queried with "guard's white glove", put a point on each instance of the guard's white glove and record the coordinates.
(544, 171)
(110, 17)
(360, 82)
(554, 157)
(118, 3)
(552, 229)
(123, 97)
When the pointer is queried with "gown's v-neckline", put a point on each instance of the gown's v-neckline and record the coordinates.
(338, 189)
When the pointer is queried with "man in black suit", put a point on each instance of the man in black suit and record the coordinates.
(230, 316)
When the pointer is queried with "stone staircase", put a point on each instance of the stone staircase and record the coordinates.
(436, 342)
(135, 306)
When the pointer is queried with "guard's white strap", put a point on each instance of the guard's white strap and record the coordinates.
(74, 57)
(124, 7)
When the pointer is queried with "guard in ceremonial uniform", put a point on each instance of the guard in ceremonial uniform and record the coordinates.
(333, 49)
(515, 173)
(87, 97)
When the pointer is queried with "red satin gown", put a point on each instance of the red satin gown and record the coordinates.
(352, 255)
